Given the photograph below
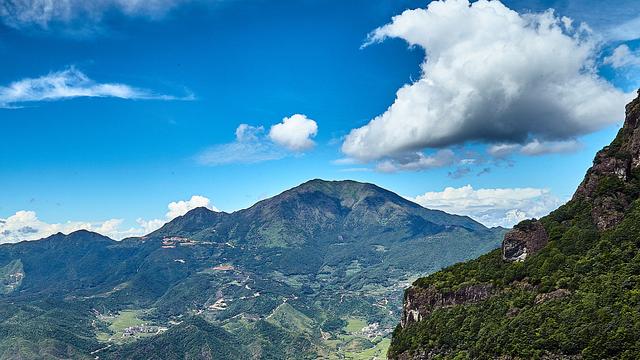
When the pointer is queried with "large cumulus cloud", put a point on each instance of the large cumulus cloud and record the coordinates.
(490, 75)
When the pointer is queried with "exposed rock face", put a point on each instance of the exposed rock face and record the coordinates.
(420, 302)
(604, 184)
(437, 354)
(554, 295)
(546, 356)
(420, 355)
(525, 239)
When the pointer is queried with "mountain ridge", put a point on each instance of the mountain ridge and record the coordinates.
(337, 253)
(338, 189)
(207, 215)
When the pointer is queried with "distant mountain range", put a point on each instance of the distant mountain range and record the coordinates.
(316, 271)
(566, 286)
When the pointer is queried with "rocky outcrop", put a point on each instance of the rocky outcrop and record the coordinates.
(605, 185)
(421, 354)
(608, 187)
(525, 239)
(554, 295)
(420, 302)
(545, 356)
(433, 354)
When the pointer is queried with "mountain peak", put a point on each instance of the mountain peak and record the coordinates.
(349, 191)
(82, 232)
(81, 235)
(313, 207)
(341, 195)
(200, 210)
(332, 185)
(194, 219)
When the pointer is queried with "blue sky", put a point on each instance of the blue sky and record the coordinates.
(188, 73)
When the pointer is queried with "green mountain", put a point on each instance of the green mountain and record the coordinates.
(314, 272)
(566, 286)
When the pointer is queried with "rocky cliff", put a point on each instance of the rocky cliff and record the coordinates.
(606, 184)
(420, 302)
(526, 238)
(543, 293)
(608, 187)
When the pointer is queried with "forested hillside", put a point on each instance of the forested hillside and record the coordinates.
(566, 286)
(315, 271)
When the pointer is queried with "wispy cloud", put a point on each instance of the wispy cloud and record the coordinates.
(68, 84)
(45, 13)
(252, 145)
(418, 161)
(629, 30)
(623, 56)
(356, 169)
(535, 148)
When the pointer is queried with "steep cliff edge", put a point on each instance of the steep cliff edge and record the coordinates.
(526, 238)
(419, 302)
(566, 286)
(611, 183)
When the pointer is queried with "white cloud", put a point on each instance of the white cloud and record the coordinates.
(628, 30)
(622, 56)
(492, 207)
(418, 161)
(503, 150)
(179, 208)
(356, 169)
(345, 161)
(490, 75)
(175, 209)
(25, 225)
(294, 133)
(146, 226)
(252, 145)
(68, 84)
(534, 148)
(43, 13)
(245, 132)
